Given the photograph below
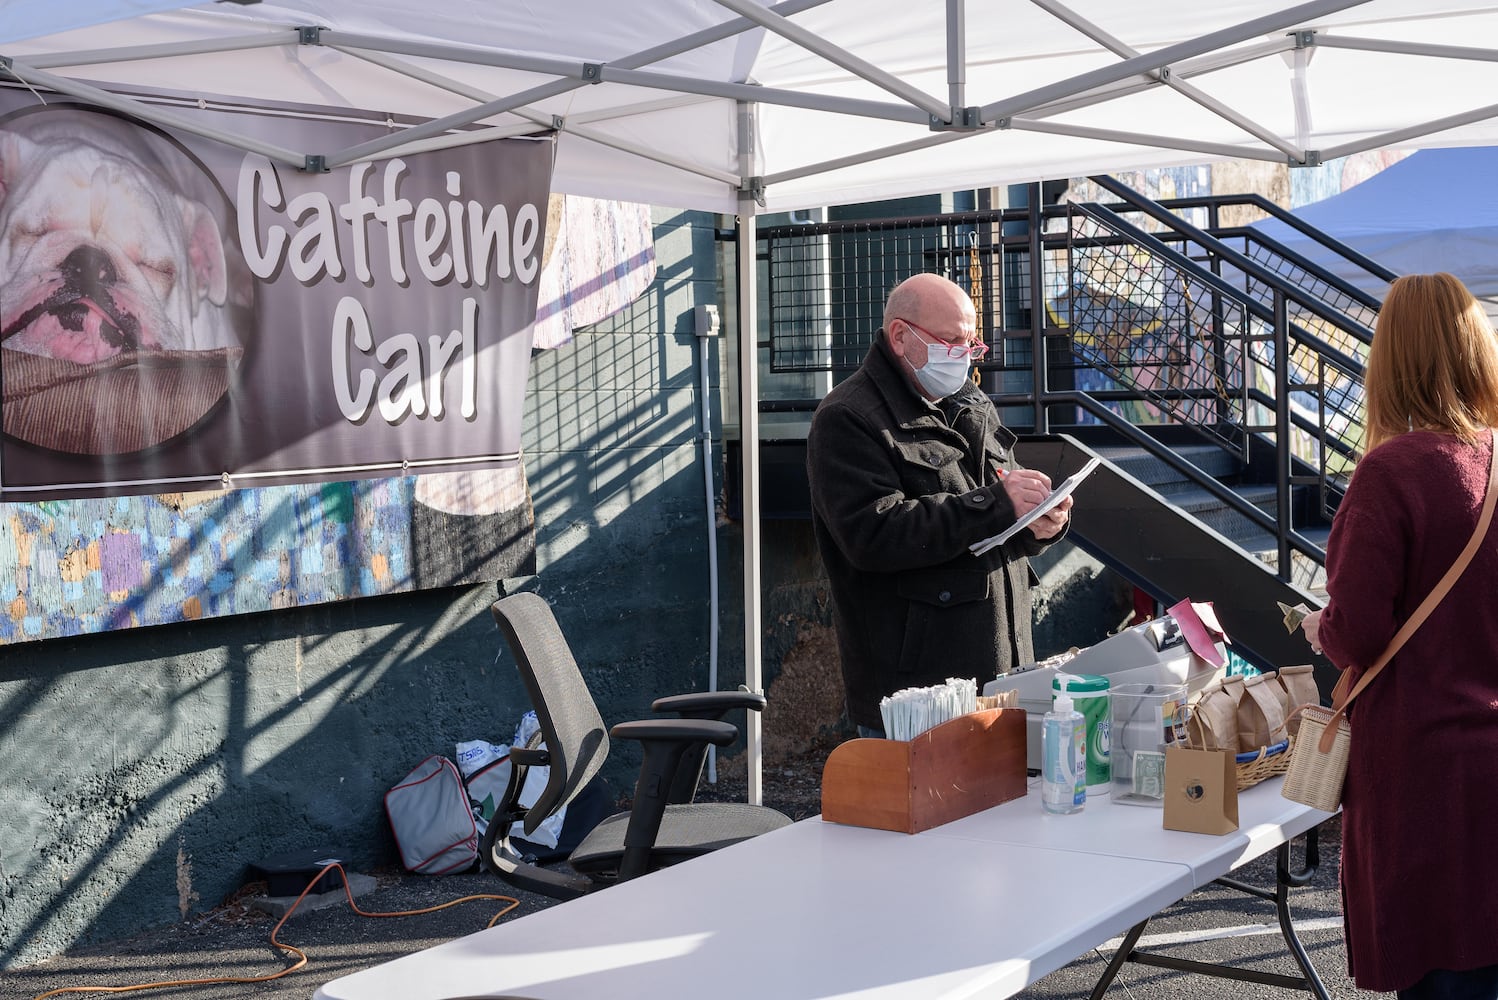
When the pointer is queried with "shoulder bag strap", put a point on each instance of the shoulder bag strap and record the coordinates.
(1426, 606)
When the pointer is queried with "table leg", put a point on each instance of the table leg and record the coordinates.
(1285, 880)
(1124, 954)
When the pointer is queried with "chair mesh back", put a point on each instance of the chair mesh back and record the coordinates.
(574, 732)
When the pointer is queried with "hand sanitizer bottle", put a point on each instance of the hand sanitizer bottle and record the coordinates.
(1063, 752)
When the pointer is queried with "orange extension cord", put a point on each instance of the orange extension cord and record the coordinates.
(292, 949)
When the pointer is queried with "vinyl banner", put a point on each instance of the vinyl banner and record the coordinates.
(177, 314)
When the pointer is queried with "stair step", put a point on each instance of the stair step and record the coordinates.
(1198, 500)
(1148, 468)
(1212, 512)
(1207, 508)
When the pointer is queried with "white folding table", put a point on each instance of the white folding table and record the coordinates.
(981, 907)
(1266, 821)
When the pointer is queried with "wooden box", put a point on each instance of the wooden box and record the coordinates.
(950, 771)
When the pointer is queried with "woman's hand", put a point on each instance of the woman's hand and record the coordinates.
(1311, 626)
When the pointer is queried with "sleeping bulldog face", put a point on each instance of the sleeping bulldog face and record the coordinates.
(100, 254)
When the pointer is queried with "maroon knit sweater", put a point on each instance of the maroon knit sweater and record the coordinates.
(1420, 808)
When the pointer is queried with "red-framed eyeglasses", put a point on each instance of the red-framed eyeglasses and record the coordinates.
(970, 351)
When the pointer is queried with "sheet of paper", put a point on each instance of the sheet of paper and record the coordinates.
(1031, 516)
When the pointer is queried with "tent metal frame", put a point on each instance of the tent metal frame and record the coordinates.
(1172, 66)
(949, 120)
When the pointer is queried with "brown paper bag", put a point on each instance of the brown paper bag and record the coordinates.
(1261, 716)
(1299, 686)
(1201, 791)
(1214, 718)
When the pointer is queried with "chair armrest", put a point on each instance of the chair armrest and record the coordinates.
(702, 705)
(682, 731)
(530, 756)
(708, 704)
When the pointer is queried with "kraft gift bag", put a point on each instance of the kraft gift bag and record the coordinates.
(1201, 791)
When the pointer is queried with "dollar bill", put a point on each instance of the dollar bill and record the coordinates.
(1293, 616)
(1149, 774)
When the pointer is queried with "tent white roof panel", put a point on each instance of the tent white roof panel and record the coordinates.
(1060, 91)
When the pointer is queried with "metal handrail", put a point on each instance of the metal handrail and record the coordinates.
(1333, 371)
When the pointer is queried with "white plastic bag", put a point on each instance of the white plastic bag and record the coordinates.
(547, 834)
(474, 754)
(486, 774)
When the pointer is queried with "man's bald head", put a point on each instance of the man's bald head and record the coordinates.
(940, 308)
(931, 301)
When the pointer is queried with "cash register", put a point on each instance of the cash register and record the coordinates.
(1153, 652)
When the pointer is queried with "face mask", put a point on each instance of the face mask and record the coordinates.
(942, 374)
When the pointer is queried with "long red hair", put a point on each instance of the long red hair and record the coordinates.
(1433, 364)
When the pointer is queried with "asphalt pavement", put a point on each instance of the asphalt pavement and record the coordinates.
(1215, 924)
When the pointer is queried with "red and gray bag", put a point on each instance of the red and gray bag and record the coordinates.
(432, 820)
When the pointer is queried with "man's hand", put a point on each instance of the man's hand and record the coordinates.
(1049, 524)
(1026, 488)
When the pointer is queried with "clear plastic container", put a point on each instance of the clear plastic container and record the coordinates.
(1147, 718)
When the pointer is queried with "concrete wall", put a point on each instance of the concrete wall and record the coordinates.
(141, 771)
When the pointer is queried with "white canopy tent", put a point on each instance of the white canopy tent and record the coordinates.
(740, 107)
(844, 100)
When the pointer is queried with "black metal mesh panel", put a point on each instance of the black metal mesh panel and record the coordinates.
(1197, 355)
(1154, 327)
(827, 283)
(1264, 253)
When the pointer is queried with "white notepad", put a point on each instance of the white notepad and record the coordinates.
(1056, 496)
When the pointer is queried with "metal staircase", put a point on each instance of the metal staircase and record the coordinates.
(1218, 374)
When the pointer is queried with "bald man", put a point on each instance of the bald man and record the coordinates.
(909, 465)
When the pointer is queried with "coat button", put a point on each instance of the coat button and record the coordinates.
(944, 596)
(980, 497)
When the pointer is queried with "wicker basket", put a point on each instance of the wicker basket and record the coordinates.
(1256, 765)
(1315, 779)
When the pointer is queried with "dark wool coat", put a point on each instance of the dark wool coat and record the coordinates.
(1420, 804)
(898, 492)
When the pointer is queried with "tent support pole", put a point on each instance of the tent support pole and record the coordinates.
(813, 43)
(153, 114)
(1401, 135)
(1143, 139)
(957, 56)
(1171, 79)
(748, 322)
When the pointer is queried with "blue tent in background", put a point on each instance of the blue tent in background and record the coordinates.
(1435, 210)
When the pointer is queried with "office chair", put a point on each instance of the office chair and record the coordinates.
(663, 826)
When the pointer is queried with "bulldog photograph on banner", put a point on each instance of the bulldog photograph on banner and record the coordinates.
(124, 303)
(178, 314)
